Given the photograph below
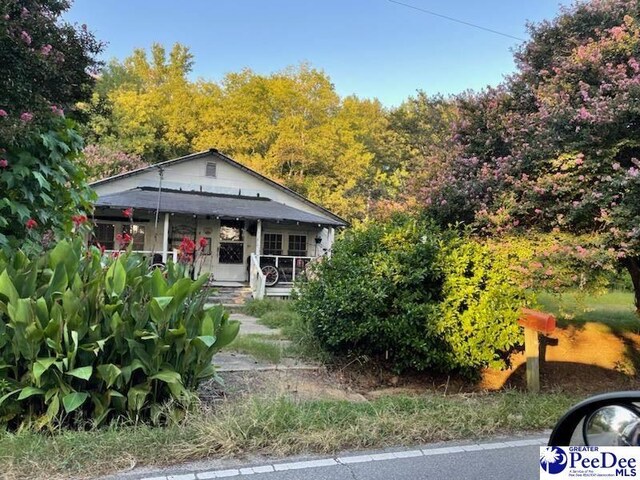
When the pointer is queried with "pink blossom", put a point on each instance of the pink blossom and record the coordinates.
(538, 211)
(616, 166)
(3, 113)
(633, 63)
(26, 117)
(584, 115)
(26, 38)
(579, 161)
(443, 202)
(633, 172)
(46, 49)
(4, 163)
(617, 32)
(57, 110)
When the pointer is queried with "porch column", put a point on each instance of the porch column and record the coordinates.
(165, 238)
(332, 237)
(259, 238)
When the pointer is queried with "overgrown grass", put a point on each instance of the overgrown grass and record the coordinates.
(258, 308)
(279, 426)
(282, 315)
(261, 347)
(614, 309)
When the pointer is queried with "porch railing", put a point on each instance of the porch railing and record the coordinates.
(289, 267)
(256, 278)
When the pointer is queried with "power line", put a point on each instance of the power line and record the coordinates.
(451, 19)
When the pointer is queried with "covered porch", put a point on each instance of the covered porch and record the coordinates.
(243, 234)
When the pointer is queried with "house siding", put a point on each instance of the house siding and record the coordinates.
(190, 176)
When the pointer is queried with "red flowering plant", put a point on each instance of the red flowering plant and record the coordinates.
(192, 253)
(186, 251)
(124, 240)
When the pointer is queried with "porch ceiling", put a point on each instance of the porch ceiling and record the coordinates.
(203, 203)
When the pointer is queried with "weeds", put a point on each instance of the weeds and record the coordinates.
(279, 426)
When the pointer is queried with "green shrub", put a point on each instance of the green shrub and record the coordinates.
(86, 336)
(480, 306)
(413, 297)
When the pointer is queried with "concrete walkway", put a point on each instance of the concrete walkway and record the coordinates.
(228, 361)
(249, 324)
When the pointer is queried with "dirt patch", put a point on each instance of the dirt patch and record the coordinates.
(590, 358)
(299, 384)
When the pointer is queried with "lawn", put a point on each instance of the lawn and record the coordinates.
(614, 309)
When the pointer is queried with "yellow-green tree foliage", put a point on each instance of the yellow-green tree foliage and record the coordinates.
(291, 125)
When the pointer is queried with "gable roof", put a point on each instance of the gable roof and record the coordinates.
(230, 161)
(223, 206)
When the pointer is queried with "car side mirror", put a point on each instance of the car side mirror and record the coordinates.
(612, 419)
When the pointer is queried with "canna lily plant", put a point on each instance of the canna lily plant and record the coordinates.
(84, 335)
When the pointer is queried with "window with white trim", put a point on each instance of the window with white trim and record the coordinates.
(298, 245)
(272, 244)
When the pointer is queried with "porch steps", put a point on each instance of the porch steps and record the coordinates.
(230, 296)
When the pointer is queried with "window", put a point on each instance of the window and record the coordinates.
(231, 231)
(137, 234)
(231, 242)
(103, 234)
(210, 171)
(272, 244)
(298, 245)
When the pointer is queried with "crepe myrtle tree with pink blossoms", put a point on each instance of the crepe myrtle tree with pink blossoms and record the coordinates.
(556, 148)
(48, 66)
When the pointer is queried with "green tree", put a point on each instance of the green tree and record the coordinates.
(146, 105)
(291, 126)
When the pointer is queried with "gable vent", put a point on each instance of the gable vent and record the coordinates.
(211, 170)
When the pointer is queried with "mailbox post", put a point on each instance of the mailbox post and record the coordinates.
(534, 323)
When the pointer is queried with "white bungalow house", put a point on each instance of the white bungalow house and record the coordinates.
(250, 222)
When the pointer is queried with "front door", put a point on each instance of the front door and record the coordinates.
(231, 256)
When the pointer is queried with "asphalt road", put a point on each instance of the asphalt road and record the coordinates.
(504, 459)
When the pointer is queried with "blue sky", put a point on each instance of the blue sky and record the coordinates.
(372, 48)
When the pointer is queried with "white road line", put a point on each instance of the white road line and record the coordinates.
(371, 457)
